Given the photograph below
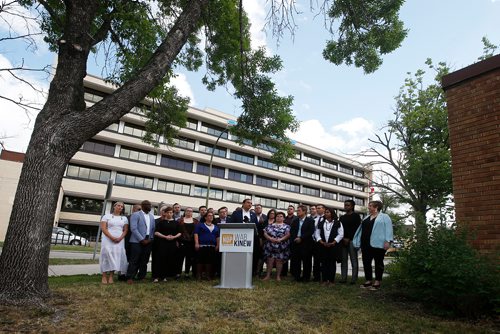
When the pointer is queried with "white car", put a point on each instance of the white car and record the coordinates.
(63, 236)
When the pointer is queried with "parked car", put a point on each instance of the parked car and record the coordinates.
(61, 235)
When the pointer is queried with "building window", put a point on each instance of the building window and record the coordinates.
(266, 163)
(290, 170)
(213, 130)
(86, 173)
(298, 155)
(99, 147)
(329, 164)
(202, 192)
(266, 182)
(329, 195)
(345, 169)
(192, 124)
(359, 173)
(240, 176)
(285, 204)
(245, 141)
(134, 181)
(359, 201)
(173, 187)
(216, 170)
(328, 179)
(236, 197)
(266, 147)
(345, 183)
(311, 158)
(207, 148)
(134, 130)
(290, 187)
(133, 154)
(184, 143)
(80, 204)
(175, 163)
(241, 157)
(310, 174)
(310, 191)
(359, 187)
(266, 202)
(343, 197)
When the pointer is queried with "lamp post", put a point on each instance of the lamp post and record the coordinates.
(229, 124)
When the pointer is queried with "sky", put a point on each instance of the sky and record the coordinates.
(339, 107)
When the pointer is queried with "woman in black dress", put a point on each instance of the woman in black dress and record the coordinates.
(166, 245)
(187, 224)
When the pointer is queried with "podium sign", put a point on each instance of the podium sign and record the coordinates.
(236, 240)
(236, 244)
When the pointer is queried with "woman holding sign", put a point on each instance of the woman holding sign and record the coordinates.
(277, 247)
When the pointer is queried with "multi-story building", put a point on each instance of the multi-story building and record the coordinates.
(179, 173)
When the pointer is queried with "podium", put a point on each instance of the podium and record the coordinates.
(236, 245)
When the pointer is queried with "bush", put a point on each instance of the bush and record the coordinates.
(446, 274)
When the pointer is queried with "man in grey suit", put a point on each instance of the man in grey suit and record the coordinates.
(142, 226)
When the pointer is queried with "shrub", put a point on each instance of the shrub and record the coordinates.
(446, 274)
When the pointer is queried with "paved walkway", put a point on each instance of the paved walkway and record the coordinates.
(92, 269)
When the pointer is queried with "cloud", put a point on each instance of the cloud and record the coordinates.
(19, 21)
(181, 83)
(256, 11)
(16, 123)
(346, 138)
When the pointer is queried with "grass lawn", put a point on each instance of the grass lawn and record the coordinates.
(56, 262)
(82, 305)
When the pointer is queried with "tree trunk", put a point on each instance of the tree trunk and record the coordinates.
(60, 129)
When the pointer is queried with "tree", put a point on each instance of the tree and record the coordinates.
(143, 42)
(489, 49)
(413, 158)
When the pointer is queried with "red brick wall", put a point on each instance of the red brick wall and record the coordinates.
(474, 126)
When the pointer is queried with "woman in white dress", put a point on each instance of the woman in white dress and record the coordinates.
(114, 228)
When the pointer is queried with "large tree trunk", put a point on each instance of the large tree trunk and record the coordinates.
(61, 128)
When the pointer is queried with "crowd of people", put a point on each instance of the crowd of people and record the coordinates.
(306, 243)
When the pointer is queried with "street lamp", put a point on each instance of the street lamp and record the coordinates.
(230, 123)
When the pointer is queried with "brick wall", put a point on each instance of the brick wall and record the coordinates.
(473, 96)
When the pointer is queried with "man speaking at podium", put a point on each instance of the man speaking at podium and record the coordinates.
(245, 215)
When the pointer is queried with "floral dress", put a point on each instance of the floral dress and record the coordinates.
(279, 250)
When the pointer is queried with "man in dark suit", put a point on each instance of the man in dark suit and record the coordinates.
(246, 215)
(223, 218)
(301, 236)
(320, 211)
(142, 225)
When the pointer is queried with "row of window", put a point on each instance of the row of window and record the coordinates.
(142, 182)
(139, 131)
(187, 165)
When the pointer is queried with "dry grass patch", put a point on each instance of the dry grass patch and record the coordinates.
(82, 305)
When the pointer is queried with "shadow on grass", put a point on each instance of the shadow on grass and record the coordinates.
(81, 304)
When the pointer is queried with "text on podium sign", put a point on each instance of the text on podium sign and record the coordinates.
(236, 241)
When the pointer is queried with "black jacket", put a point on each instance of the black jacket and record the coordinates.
(307, 230)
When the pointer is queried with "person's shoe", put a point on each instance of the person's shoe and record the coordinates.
(164, 280)
(366, 285)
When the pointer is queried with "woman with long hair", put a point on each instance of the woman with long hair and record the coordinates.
(114, 227)
(329, 234)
